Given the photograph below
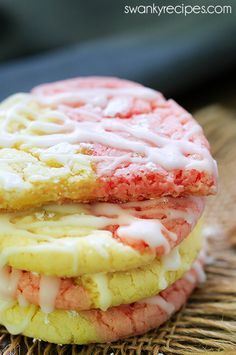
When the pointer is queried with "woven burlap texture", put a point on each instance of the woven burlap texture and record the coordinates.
(207, 324)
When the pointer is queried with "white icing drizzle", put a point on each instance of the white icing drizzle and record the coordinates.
(22, 301)
(8, 283)
(46, 319)
(119, 105)
(170, 262)
(11, 181)
(24, 122)
(63, 245)
(101, 215)
(15, 327)
(159, 301)
(49, 287)
(105, 296)
(198, 268)
(99, 96)
(190, 277)
(20, 327)
(149, 231)
(194, 275)
(162, 282)
(61, 227)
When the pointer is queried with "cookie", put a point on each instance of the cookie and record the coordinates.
(102, 290)
(104, 139)
(71, 327)
(76, 239)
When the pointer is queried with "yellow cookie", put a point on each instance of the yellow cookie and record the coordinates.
(53, 149)
(77, 239)
(104, 290)
(71, 327)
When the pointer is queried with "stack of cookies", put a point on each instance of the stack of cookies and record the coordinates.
(102, 186)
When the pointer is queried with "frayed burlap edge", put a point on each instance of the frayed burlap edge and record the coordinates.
(207, 324)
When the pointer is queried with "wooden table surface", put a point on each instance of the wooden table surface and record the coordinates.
(219, 124)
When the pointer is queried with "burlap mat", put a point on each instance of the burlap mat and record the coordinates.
(207, 324)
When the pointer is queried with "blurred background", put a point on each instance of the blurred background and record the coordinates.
(191, 58)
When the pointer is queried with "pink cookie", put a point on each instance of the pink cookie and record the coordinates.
(65, 327)
(138, 318)
(151, 226)
(141, 145)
